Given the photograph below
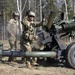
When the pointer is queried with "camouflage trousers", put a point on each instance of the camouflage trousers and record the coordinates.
(12, 44)
(12, 48)
(28, 60)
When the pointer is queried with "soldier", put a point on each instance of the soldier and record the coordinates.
(13, 31)
(28, 35)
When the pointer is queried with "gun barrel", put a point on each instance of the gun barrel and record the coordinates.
(51, 54)
(68, 26)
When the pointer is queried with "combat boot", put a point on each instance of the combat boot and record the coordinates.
(28, 65)
(34, 62)
(23, 59)
(11, 59)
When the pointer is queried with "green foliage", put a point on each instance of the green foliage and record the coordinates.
(9, 8)
(69, 7)
(52, 5)
(71, 14)
(70, 11)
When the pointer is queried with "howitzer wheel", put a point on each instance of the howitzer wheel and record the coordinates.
(70, 55)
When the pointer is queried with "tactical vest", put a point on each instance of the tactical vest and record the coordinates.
(28, 33)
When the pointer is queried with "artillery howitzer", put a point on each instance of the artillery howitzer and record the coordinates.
(54, 47)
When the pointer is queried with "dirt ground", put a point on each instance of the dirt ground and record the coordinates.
(44, 68)
(14, 68)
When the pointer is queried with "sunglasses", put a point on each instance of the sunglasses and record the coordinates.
(31, 16)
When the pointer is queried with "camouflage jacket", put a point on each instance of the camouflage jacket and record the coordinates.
(29, 30)
(13, 29)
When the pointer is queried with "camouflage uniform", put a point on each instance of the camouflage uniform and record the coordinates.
(27, 38)
(13, 31)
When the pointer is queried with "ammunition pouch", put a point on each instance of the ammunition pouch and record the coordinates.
(31, 37)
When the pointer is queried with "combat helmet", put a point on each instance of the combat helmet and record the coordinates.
(31, 13)
(15, 14)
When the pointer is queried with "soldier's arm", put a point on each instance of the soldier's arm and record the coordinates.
(43, 23)
(38, 24)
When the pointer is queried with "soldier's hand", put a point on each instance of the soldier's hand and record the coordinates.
(35, 37)
(13, 36)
